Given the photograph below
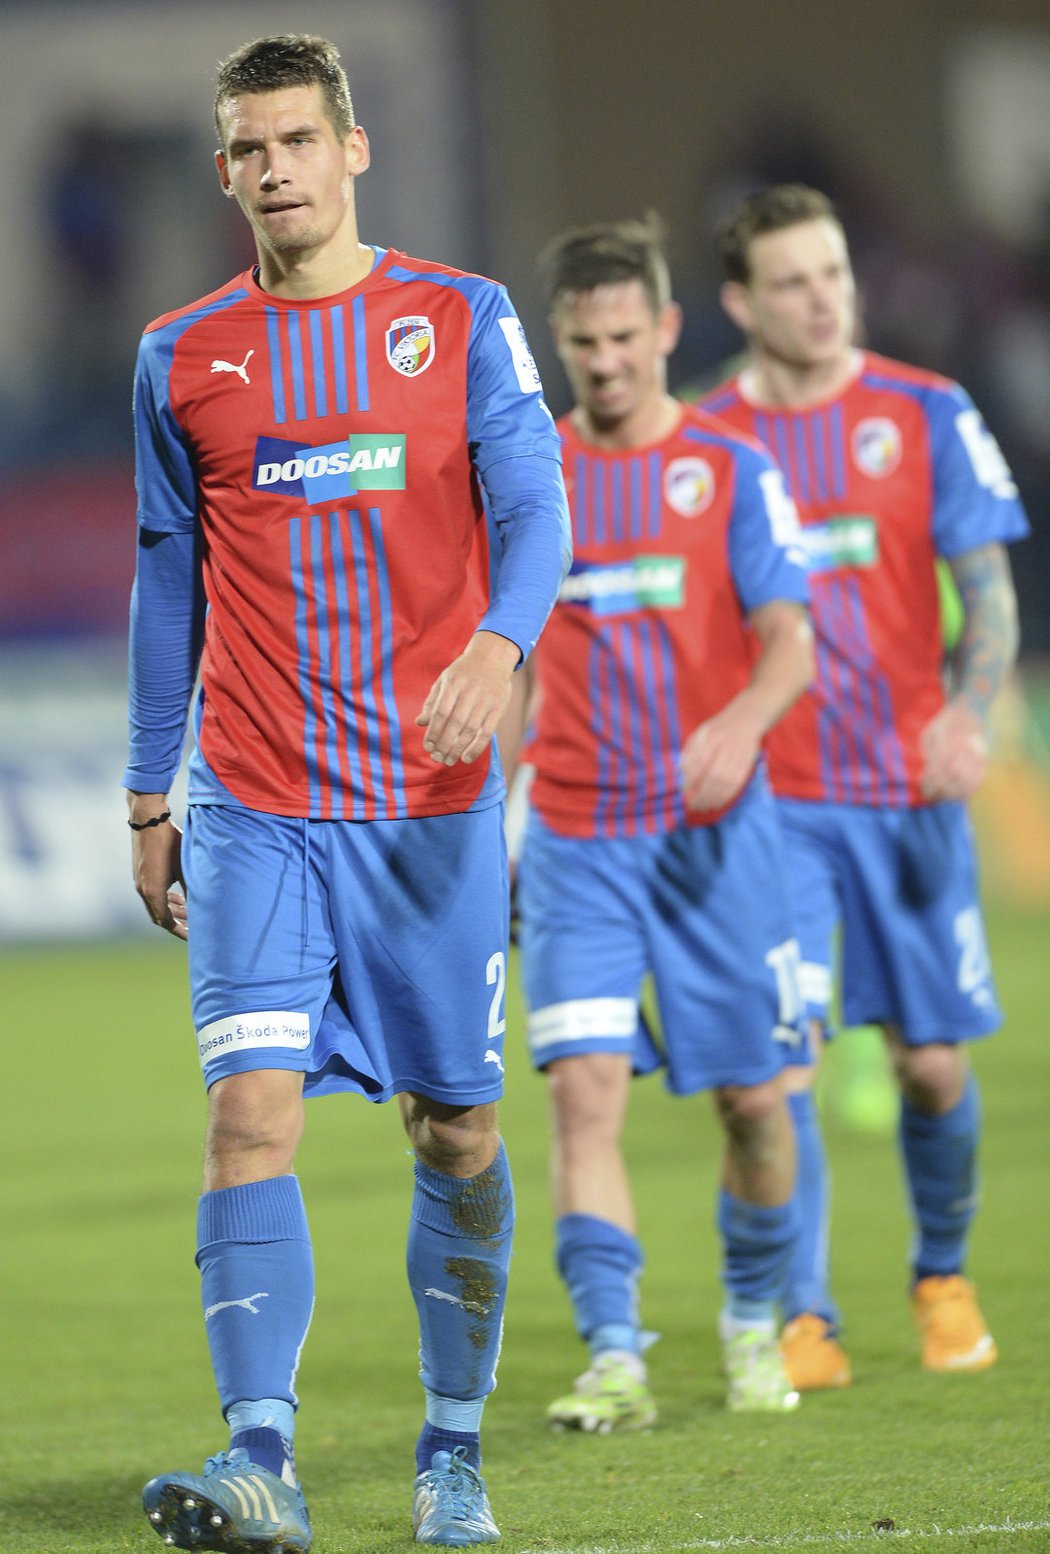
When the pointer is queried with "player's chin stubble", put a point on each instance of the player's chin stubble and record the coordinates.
(287, 239)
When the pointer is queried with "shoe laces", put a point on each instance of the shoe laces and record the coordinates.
(227, 1462)
(237, 1462)
(808, 1325)
(612, 1372)
(753, 1358)
(952, 1311)
(458, 1486)
(753, 1346)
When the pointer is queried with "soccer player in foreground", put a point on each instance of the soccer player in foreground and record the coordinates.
(313, 440)
(890, 467)
(679, 637)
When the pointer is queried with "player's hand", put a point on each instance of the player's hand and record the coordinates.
(955, 754)
(719, 757)
(468, 699)
(156, 866)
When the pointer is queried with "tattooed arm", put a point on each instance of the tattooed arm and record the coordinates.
(955, 742)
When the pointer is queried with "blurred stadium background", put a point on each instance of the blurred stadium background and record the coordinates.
(494, 123)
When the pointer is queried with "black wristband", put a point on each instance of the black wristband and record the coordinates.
(144, 825)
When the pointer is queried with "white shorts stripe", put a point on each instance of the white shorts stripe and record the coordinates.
(814, 982)
(262, 1028)
(582, 1019)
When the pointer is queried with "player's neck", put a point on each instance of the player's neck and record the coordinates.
(324, 271)
(787, 386)
(650, 423)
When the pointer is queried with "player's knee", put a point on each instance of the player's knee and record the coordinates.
(253, 1117)
(758, 1132)
(455, 1140)
(932, 1078)
(588, 1094)
(751, 1109)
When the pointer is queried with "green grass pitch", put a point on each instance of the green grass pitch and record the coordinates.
(105, 1375)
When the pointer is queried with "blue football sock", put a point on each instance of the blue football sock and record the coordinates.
(601, 1265)
(432, 1438)
(257, 1288)
(459, 1242)
(450, 1422)
(940, 1162)
(265, 1428)
(267, 1448)
(756, 1246)
(806, 1288)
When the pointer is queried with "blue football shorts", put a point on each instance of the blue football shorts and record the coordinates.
(901, 884)
(703, 909)
(370, 956)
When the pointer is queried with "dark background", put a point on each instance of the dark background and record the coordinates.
(494, 124)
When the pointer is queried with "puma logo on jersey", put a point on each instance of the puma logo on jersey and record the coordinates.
(248, 1303)
(494, 1057)
(241, 371)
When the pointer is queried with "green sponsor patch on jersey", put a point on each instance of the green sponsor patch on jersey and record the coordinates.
(377, 461)
(849, 540)
(660, 580)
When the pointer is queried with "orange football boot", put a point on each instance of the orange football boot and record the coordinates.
(955, 1336)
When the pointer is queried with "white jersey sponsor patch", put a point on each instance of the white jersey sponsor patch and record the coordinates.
(524, 367)
(985, 455)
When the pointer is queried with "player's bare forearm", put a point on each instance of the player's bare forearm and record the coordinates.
(988, 646)
(464, 706)
(156, 862)
(719, 756)
(786, 662)
(955, 742)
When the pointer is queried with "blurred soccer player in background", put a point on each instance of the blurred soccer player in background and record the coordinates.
(651, 846)
(890, 467)
(313, 442)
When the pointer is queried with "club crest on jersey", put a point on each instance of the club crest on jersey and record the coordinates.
(410, 345)
(367, 461)
(876, 445)
(689, 486)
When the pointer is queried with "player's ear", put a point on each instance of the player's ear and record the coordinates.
(735, 300)
(224, 176)
(358, 151)
(669, 321)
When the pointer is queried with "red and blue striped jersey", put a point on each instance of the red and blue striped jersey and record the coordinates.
(673, 545)
(895, 470)
(333, 459)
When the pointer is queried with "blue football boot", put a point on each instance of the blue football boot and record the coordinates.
(233, 1505)
(450, 1506)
